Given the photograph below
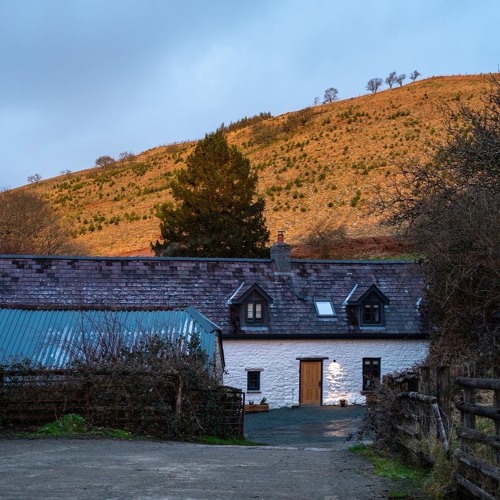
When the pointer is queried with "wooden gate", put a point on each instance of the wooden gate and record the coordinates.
(311, 382)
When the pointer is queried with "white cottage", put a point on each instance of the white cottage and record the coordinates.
(318, 332)
(297, 332)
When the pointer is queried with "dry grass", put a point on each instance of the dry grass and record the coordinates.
(322, 163)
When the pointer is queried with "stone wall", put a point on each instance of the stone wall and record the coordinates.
(342, 371)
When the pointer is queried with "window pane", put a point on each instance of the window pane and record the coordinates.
(253, 381)
(258, 310)
(371, 313)
(367, 312)
(324, 308)
(371, 373)
(250, 310)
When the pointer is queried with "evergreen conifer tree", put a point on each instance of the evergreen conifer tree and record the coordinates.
(216, 211)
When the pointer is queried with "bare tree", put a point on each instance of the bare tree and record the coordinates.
(400, 79)
(34, 179)
(331, 95)
(391, 79)
(374, 84)
(104, 161)
(126, 156)
(28, 225)
(414, 75)
(317, 101)
(325, 237)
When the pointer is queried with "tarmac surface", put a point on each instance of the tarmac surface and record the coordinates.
(307, 458)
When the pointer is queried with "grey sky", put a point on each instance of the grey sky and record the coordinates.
(85, 78)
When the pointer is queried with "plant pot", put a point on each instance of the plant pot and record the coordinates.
(343, 402)
(256, 408)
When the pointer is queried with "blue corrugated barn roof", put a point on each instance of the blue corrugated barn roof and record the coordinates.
(45, 336)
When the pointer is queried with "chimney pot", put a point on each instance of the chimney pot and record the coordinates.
(281, 236)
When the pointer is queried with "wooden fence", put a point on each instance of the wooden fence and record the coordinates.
(422, 398)
(478, 453)
(140, 402)
(426, 407)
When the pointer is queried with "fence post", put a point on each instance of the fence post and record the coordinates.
(444, 389)
(425, 381)
(424, 387)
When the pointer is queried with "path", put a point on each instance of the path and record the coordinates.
(314, 464)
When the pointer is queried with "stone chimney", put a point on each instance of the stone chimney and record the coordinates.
(280, 254)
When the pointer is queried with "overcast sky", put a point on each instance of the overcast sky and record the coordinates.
(85, 78)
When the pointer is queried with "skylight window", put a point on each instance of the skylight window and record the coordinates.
(324, 308)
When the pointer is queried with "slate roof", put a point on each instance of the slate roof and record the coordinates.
(47, 336)
(208, 284)
(359, 292)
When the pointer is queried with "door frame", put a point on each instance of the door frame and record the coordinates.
(319, 359)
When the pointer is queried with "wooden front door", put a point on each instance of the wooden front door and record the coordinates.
(310, 382)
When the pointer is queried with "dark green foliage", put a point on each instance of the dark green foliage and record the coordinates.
(215, 213)
(246, 122)
(71, 423)
(355, 199)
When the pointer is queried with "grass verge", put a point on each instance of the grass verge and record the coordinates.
(409, 479)
(74, 426)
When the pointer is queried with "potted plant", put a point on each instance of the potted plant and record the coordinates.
(251, 407)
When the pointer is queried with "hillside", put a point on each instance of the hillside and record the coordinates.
(318, 164)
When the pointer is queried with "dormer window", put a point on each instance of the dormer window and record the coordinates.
(253, 304)
(366, 306)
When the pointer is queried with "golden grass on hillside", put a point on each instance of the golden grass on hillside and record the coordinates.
(318, 164)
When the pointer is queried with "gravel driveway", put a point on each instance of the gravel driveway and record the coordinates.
(309, 459)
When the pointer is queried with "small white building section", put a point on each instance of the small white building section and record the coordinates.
(301, 372)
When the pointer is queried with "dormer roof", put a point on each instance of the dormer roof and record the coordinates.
(245, 290)
(361, 292)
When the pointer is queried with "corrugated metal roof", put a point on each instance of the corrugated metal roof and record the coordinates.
(47, 336)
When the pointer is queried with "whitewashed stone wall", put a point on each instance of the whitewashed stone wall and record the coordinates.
(342, 371)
